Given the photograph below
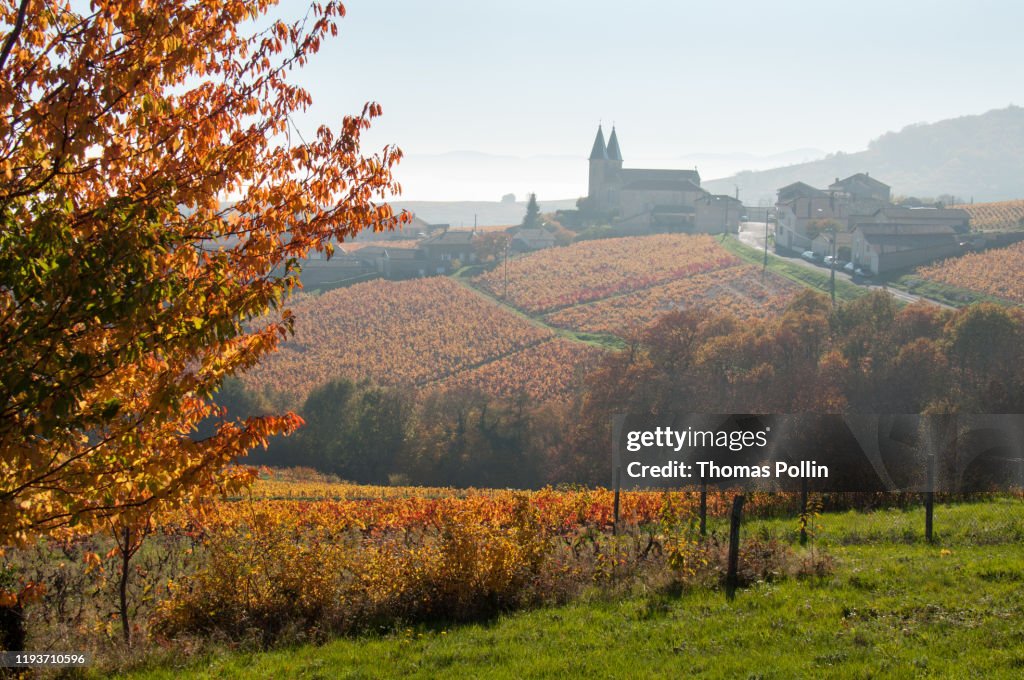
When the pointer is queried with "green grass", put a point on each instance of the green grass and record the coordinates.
(812, 278)
(941, 292)
(601, 340)
(894, 606)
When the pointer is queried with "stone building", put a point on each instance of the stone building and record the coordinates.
(658, 199)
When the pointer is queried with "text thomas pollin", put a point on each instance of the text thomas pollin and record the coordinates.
(735, 441)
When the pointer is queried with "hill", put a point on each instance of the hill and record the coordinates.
(485, 213)
(438, 332)
(417, 333)
(614, 286)
(979, 157)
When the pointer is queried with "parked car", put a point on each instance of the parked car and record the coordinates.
(809, 256)
(828, 260)
(849, 268)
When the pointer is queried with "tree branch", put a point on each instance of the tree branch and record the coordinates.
(19, 21)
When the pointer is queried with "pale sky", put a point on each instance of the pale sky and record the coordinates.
(531, 78)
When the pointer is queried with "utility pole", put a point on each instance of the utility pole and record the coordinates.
(505, 296)
(765, 267)
(832, 268)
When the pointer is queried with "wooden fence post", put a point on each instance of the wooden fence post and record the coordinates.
(731, 576)
(703, 507)
(803, 511)
(929, 500)
(617, 423)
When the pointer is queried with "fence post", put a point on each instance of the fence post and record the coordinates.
(734, 546)
(803, 512)
(617, 423)
(703, 507)
(615, 504)
(929, 500)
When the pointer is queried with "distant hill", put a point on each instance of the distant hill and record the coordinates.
(486, 213)
(976, 157)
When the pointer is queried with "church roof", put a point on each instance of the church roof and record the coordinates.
(613, 147)
(600, 151)
(661, 185)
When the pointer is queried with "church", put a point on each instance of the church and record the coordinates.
(652, 199)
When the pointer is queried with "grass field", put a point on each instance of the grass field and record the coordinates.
(894, 606)
(812, 278)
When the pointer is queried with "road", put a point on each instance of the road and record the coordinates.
(753, 235)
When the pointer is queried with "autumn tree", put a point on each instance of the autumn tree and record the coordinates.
(128, 289)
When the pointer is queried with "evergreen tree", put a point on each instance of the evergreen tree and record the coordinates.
(532, 218)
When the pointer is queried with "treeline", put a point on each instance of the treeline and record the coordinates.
(867, 356)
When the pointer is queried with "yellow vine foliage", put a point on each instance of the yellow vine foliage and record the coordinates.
(992, 272)
(998, 216)
(557, 278)
(418, 333)
(738, 290)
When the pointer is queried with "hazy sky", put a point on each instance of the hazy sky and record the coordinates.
(531, 78)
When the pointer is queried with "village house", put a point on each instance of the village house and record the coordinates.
(855, 220)
(525, 240)
(803, 209)
(415, 228)
(717, 214)
(447, 251)
(896, 237)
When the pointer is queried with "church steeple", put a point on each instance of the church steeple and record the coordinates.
(613, 147)
(600, 151)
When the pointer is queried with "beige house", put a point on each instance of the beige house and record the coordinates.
(897, 237)
(800, 206)
(717, 214)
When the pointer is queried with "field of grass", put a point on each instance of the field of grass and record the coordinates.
(817, 279)
(945, 293)
(893, 606)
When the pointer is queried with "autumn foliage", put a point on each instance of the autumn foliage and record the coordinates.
(739, 290)
(557, 278)
(125, 282)
(422, 333)
(998, 216)
(994, 272)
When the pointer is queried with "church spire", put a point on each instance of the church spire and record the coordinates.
(613, 147)
(599, 152)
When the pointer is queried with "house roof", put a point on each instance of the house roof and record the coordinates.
(905, 214)
(714, 198)
(534, 238)
(451, 238)
(613, 147)
(890, 243)
(628, 175)
(661, 185)
(860, 177)
(600, 151)
(404, 254)
(800, 189)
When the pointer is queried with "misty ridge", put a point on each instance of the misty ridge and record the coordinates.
(979, 157)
